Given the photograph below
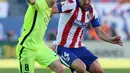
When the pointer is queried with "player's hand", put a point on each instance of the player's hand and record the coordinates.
(116, 40)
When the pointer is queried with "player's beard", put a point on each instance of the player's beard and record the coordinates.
(85, 6)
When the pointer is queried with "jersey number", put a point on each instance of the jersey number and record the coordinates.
(26, 67)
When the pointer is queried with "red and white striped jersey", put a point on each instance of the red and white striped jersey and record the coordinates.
(73, 20)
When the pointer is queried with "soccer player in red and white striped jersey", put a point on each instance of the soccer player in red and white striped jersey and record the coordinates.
(75, 16)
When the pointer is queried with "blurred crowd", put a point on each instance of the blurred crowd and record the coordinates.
(114, 17)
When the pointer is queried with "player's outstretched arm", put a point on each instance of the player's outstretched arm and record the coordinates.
(102, 35)
(63, 7)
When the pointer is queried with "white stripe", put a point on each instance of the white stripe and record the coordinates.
(70, 36)
(79, 15)
(64, 61)
(73, 30)
(79, 18)
(64, 18)
(56, 48)
(95, 13)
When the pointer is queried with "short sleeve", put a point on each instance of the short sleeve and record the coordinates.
(95, 20)
(66, 6)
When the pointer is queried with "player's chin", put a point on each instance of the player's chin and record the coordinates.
(85, 6)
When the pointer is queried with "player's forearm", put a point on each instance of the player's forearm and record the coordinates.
(105, 37)
(102, 35)
(32, 1)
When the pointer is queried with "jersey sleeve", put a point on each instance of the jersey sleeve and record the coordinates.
(95, 20)
(65, 6)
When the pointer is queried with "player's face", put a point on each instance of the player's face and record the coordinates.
(84, 4)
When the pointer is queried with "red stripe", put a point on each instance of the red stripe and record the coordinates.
(83, 20)
(71, 1)
(91, 9)
(75, 37)
(74, 40)
(80, 39)
(67, 11)
(68, 27)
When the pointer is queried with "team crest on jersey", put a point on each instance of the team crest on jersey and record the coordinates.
(88, 16)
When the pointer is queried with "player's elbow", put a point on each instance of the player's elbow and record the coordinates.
(32, 1)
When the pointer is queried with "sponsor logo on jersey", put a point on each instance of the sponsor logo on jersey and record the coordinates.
(78, 23)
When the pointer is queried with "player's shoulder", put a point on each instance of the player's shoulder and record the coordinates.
(71, 2)
(68, 4)
(92, 9)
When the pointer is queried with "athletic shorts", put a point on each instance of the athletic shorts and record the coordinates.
(27, 57)
(68, 55)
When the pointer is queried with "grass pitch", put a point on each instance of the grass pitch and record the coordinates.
(39, 70)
